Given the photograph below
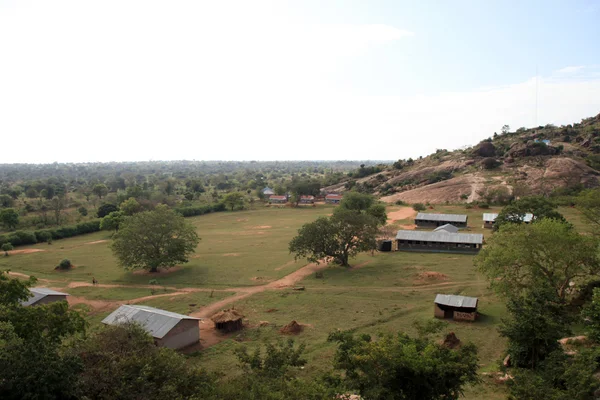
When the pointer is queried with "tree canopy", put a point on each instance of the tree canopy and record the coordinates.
(539, 206)
(548, 252)
(339, 237)
(9, 218)
(153, 239)
(364, 203)
(233, 200)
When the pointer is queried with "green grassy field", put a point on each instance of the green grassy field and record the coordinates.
(384, 292)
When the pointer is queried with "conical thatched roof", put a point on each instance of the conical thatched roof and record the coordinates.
(230, 315)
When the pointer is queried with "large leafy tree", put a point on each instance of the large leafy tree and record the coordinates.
(401, 367)
(538, 318)
(112, 221)
(364, 203)
(539, 206)
(339, 237)
(548, 252)
(591, 312)
(588, 202)
(304, 188)
(153, 239)
(9, 218)
(233, 200)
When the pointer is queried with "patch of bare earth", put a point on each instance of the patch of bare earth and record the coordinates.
(359, 266)
(287, 264)
(24, 251)
(249, 233)
(403, 213)
(231, 255)
(97, 242)
(262, 227)
(449, 190)
(426, 277)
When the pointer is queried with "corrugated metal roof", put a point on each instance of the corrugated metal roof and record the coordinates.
(274, 197)
(155, 321)
(333, 196)
(441, 236)
(442, 217)
(492, 217)
(39, 293)
(446, 228)
(489, 217)
(456, 301)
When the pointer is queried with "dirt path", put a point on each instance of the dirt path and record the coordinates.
(477, 184)
(402, 213)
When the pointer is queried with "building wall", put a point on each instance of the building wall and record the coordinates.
(434, 224)
(50, 299)
(438, 248)
(488, 224)
(437, 311)
(464, 316)
(185, 333)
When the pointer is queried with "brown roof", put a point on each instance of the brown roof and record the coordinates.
(226, 316)
(272, 197)
(333, 196)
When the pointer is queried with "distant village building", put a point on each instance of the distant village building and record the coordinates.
(168, 329)
(333, 198)
(40, 295)
(426, 220)
(307, 199)
(439, 241)
(459, 308)
(278, 199)
(228, 320)
(490, 218)
(268, 191)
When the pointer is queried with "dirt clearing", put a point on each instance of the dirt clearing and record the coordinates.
(97, 242)
(402, 213)
(24, 251)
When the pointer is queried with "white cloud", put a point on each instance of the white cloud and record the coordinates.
(571, 69)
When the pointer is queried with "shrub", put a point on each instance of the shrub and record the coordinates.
(468, 206)
(65, 264)
(483, 205)
(83, 211)
(490, 163)
(419, 207)
(400, 203)
(464, 196)
(6, 247)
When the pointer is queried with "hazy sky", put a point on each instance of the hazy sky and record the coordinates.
(263, 80)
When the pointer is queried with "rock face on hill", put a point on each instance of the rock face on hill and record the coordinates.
(528, 161)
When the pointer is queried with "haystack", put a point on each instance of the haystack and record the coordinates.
(451, 341)
(228, 320)
(292, 328)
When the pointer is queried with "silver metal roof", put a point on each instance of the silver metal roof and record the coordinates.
(442, 217)
(441, 236)
(456, 301)
(446, 228)
(492, 217)
(38, 293)
(155, 321)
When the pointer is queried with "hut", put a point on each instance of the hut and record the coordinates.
(267, 191)
(307, 199)
(440, 241)
(459, 308)
(333, 198)
(228, 320)
(40, 295)
(428, 220)
(168, 329)
(278, 199)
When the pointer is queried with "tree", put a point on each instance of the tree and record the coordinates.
(363, 203)
(6, 200)
(515, 212)
(588, 202)
(100, 190)
(591, 313)
(234, 199)
(401, 367)
(9, 218)
(304, 188)
(6, 247)
(519, 257)
(82, 211)
(538, 318)
(419, 207)
(505, 129)
(153, 239)
(123, 362)
(130, 206)
(106, 209)
(57, 204)
(339, 237)
(112, 221)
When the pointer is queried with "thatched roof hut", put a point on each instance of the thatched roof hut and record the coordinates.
(228, 320)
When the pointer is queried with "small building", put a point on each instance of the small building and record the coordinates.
(228, 320)
(168, 329)
(440, 241)
(333, 198)
(41, 295)
(307, 199)
(446, 228)
(278, 199)
(427, 220)
(268, 191)
(459, 308)
(490, 218)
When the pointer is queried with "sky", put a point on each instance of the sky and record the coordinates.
(132, 80)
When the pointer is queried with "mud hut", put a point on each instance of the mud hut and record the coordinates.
(228, 320)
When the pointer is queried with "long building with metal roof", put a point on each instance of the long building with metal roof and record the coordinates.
(428, 220)
(169, 329)
(41, 295)
(439, 241)
(490, 218)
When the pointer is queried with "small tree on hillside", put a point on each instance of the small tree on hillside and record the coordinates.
(339, 237)
(9, 218)
(363, 203)
(233, 200)
(112, 221)
(6, 247)
(153, 239)
(100, 190)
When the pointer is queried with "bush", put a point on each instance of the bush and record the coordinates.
(106, 209)
(419, 207)
(201, 210)
(400, 203)
(65, 264)
(464, 196)
(483, 205)
(6, 247)
(490, 163)
(468, 206)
